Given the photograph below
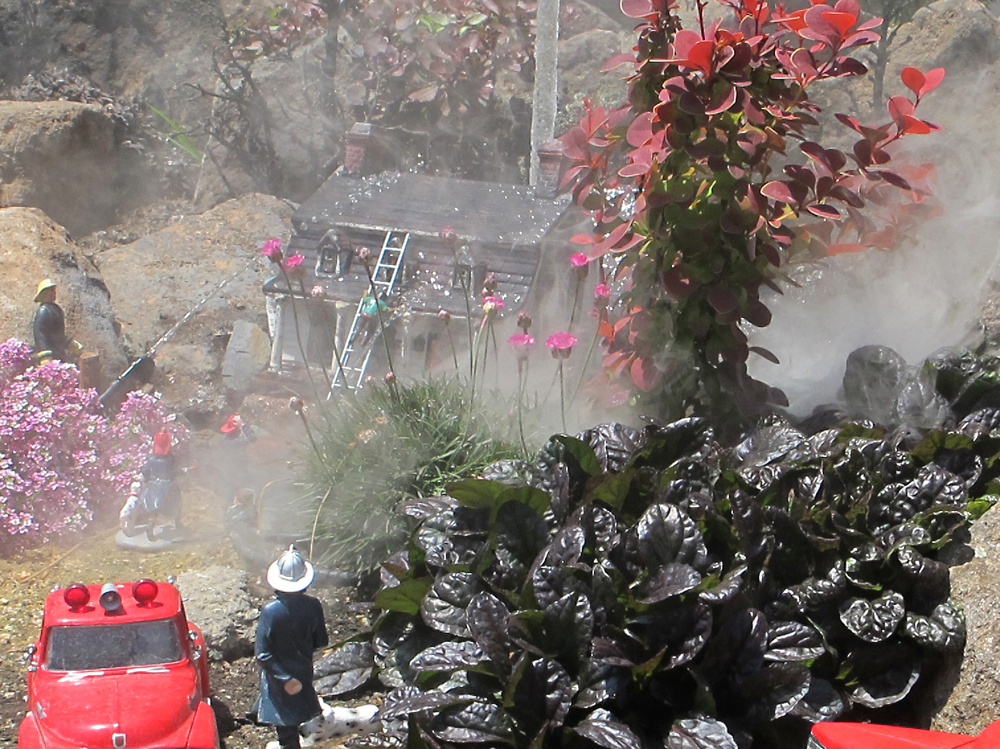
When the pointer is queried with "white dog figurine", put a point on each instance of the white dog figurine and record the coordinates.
(336, 722)
(128, 518)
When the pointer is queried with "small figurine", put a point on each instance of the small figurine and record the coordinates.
(132, 511)
(289, 630)
(368, 325)
(161, 495)
(49, 327)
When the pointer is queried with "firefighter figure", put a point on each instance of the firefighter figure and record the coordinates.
(289, 630)
(49, 327)
(160, 493)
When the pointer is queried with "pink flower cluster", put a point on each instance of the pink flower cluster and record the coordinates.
(61, 462)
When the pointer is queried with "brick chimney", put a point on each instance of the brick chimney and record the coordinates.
(357, 145)
(550, 169)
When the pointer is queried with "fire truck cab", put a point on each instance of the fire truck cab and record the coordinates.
(118, 666)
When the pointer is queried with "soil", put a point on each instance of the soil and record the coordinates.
(25, 580)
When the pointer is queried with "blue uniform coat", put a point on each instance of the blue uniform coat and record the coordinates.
(289, 630)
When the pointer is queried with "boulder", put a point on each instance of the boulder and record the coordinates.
(216, 599)
(59, 156)
(207, 266)
(960, 36)
(973, 702)
(147, 48)
(248, 352)
(33, 247)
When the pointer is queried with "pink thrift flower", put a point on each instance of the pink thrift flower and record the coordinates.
(272, 250)
(448, 233)
(601, 291)
(561, 344)
(579, 260)
(491, 304)
(317, 292)
(522, 343)
(293, 266)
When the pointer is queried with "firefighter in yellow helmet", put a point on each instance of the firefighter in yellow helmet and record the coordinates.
(49, 327)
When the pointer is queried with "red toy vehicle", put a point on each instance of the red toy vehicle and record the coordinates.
(118, 667)
(865, 735)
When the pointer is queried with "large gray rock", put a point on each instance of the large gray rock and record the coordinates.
(33, 247)
(973, 702)
(216, 599)
(248, 352)
(150, 48)
(960, 36)
(59, 156)
(157, 280)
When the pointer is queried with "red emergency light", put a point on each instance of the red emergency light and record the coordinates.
(76, 596)
(145, 592)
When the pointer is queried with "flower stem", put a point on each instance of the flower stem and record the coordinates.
(451, 342)
(562, 395)
(522, 375)
(298, 338)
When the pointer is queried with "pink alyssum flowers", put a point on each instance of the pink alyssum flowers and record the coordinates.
(61, 462)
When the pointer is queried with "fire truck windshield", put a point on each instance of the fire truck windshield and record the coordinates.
(99, 646)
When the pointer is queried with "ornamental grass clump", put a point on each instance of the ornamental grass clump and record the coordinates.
(656, 588)
(62, 463)
(395, 441)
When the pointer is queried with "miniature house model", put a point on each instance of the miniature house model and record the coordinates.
(384, 254)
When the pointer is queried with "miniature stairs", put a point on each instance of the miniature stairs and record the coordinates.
(384, 277)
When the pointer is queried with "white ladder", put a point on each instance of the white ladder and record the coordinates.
(384, 277)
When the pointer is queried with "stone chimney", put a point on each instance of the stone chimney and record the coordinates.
(357, 145)
(550, 169)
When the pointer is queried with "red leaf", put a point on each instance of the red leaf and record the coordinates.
(760, 350)
(931, 79)
(783, 192)
(723, 300)
(913, 79)
(914, 126)
(723, 102)
(582, 239)
(644, 374)
(843, 21)
(641, 130)
(842, 248)
(700, 56)
(899, 107)
(823, 211)
(893, 179)
(617, 61)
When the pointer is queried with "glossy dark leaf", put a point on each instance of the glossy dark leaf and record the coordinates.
(581, 452)
(793, 641)
(882, 674)
(942, 631)
(488, 621)
(542, 694)
(673, 636)
(699, 733)
(873, 621)
(520, 530)
(477, 492)
(345, 669)
(822, 702)
(476, 723)
(613, 444)
(667, 535)
(424, 507)
(775, 690)
(443, 607)
(605, 730)
(668, 581)
(569, 626)
(402, 702)
(448, 656)
(737, 649)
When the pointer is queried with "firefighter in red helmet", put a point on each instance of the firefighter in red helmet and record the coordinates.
(161, 495)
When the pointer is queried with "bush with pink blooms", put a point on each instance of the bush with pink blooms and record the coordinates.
(62, 463)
